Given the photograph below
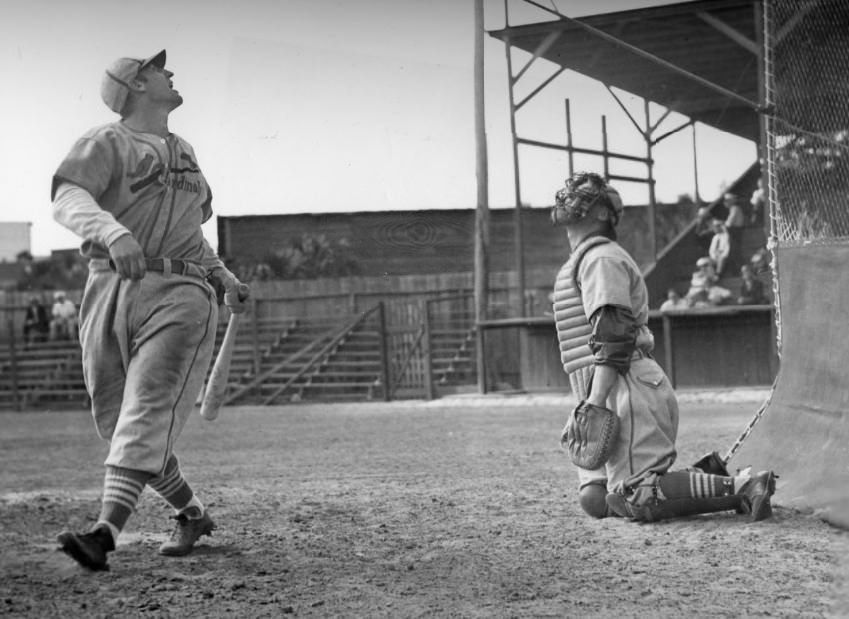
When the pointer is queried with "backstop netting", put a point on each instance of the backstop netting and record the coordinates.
(807, 50)
(804, 432)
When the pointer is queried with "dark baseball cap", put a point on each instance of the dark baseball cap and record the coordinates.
(115, 86)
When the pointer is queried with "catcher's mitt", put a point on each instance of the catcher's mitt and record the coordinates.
(590, 434)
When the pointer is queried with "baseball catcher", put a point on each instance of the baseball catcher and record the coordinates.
(601, 314)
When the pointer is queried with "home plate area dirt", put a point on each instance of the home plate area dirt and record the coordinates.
(398, 510)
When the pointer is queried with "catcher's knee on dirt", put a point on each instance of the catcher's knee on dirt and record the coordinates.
(591, 496)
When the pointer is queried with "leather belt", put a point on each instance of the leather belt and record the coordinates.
(166, 266)
(173, 265)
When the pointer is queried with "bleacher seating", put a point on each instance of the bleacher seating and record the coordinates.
(44, 374)
(676, 263)
(280, 360)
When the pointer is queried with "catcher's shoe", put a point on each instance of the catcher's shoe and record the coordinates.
(186, 533)
(619, 506)
(756, 493)
(88, 549)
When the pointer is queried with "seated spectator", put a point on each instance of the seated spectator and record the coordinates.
(63, 325)
(703, 278)
(812, 226)
(704, 290)
(719, 295)
(720, 246)
(760, 261)
(36, 322)
(751, 288)
(674, 301)
(700, 300)
(758, 202)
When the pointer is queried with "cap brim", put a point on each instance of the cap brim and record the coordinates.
(157, 60)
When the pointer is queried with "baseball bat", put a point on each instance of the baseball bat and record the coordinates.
(216, 387)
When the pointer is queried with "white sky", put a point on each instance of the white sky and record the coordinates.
(307, 106)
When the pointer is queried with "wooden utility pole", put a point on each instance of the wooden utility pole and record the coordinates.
(482, 210)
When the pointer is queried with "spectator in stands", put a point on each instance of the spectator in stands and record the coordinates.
(703, 278)
(760, 261)
(704, 218)
(812, 226)
(36, 322)
(720, 246)
(751, 288)
(704, 289)
(674, 301)
(736, 216)
(735, 223)
(699, 300)
(758, 202)
(63, 324)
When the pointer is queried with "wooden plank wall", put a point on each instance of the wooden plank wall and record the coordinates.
(440, 241)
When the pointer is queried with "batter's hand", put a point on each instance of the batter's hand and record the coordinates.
(235, 292)
(127, 257)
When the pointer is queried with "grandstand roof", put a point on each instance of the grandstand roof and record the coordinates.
(714, 40)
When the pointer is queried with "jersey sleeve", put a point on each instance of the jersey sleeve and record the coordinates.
(210, 258)
(604, 280)
(206, 207)
(88, 165)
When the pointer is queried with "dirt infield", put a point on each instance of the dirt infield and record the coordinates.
(463, 509)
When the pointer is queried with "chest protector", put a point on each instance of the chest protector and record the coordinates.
(573, 327)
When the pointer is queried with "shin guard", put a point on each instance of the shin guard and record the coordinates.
(678, 495)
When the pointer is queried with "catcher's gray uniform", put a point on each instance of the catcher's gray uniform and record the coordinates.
(600, 272)
(601, 313)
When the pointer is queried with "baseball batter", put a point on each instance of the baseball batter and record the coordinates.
(601, 313)
(136, 195)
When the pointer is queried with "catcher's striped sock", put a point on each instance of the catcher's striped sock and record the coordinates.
(684, 484)
(174, 488)
(121, 491)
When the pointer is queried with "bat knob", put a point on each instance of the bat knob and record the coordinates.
(209, 413)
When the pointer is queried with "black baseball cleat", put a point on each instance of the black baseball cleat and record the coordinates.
(186, 533)
(88, 549)
(756, 493)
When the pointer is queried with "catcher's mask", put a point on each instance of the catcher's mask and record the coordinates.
(582, 191)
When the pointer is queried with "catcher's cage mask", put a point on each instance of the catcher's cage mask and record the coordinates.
(582, 191)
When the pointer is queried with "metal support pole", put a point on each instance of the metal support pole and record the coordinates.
(650, 175)
(517, 220)
(696, 195)
(604, 146)
(482, 211)
(569, 138)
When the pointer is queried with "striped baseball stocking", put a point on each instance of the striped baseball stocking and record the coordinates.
(121, 491)
(173, 487)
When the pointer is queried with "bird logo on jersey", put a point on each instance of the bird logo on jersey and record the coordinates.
(149, 171)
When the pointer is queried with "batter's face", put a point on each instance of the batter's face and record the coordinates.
(160, 88)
